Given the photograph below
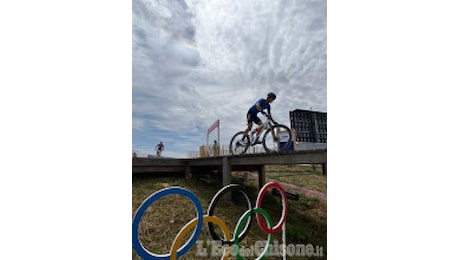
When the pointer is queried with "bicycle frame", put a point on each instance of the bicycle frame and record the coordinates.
(268, 125)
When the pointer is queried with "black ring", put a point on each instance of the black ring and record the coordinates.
(212, 205)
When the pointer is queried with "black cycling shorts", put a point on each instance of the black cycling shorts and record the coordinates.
(252, 117)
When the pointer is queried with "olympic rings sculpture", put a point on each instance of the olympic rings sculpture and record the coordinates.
(197, 223)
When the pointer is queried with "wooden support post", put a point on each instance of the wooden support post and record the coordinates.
(226, 171)
(324, 165)
(188, 173)
(261, 174)
(226, 176)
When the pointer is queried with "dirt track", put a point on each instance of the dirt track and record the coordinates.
(292, 187)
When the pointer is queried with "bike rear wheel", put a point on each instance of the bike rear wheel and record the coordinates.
(239, 144)
(278, 139)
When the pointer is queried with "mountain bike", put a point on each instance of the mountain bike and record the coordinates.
(275, 138)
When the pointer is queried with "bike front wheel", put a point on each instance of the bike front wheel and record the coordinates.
(277, 139)
(239, 144)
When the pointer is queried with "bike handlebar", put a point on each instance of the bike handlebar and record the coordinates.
(270, 118)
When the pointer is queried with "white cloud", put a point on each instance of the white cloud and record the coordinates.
(198, 61)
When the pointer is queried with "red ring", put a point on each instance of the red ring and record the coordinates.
(284, 204)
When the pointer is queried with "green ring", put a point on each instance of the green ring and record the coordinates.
(242, 222)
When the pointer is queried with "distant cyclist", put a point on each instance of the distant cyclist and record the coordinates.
(160, 147)
(259, 106)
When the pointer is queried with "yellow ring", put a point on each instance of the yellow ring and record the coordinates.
(191, 224)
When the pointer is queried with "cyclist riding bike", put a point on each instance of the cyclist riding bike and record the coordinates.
(259, 106)
(160, 147)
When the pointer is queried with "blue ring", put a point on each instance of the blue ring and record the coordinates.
(144, 253)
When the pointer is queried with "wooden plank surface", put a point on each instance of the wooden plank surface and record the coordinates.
(244, 162)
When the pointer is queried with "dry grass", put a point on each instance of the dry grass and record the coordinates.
(305, 176)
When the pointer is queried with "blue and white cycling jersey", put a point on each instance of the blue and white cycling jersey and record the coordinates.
(263, 104)
(253, 111)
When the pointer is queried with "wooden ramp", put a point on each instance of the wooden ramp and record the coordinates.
(227, 164)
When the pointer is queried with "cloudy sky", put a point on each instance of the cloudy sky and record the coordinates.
(194, 62)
